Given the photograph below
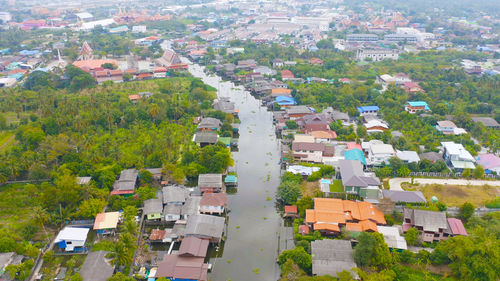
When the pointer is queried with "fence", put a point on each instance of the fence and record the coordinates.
(343, 196)
(447, 175)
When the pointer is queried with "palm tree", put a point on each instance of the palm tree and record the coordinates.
(40, 216)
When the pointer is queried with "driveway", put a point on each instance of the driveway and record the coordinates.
(395, 183)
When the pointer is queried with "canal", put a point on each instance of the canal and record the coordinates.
(250, 249)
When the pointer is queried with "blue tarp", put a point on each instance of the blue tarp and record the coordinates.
(362, 109)
(284, 100)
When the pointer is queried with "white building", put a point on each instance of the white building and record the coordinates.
(71, 237)
(392, 237)
(378, 152)
(139, 29)
(377, 55)
(457, 156)
(375, 126)
(5, 17)
(408, 156)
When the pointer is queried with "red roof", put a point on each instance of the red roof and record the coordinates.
(457, 227)
(131, 71)
(160, 69)
(291, 209)
(304, 229)
(316, 61)
(144, 75)
(122, 192)
(93, 64)
(213, 199)
(157, 234)
(352, 145)
(287, 74)
(102, 73)
(178, 267)
(116, 72)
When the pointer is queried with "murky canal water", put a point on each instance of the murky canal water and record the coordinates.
(250, 250)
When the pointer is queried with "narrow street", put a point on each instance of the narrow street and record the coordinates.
(249, 252)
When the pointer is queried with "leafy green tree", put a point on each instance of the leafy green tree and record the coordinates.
(289, 192)
(441, 206)
(466, 211)
(91, 207)
(372, 251)
(109, 66)
(478, 172)
(145, 176)
(303, 204)
(466, 173)
(403, 171)
(76, 277)
(120, 277)
(474, 257)
(292, 125)
(412, 236)
(299, 256)
(290, 271)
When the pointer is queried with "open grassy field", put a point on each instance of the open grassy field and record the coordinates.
(310, 188)
(6, 139)
(453, 195)
(16, 201)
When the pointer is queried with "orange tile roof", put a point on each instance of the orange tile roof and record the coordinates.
(353, 226)
(134, 97)
(368, 211)
(368, 225)
(92, 64)
(291, 209)
(281, 91)
(18, 70)
(326, 226)
(160, 69)
(324, 134)
(331, 210)
(325, 216)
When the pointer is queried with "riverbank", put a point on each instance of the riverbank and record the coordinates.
(249, 252)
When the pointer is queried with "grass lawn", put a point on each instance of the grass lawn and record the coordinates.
(457, 195)
(336, 186)
(310, 188)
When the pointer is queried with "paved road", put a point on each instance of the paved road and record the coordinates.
(395, 183)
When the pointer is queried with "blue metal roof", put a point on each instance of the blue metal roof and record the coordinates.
(368, 108)
(419, 103)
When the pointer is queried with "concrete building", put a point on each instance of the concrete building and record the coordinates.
(376, 55)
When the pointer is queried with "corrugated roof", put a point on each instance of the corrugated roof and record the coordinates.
(96, 267)
(332, 256)
(193, 247)
(106, 220)
(153, 206)
(457, 227)
(213, 199)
